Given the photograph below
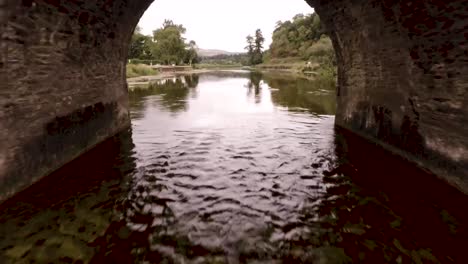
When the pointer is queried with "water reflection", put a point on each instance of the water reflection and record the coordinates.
(174, 93)
(210, 175)
(192, 80)
(254, 86)
(301, 94)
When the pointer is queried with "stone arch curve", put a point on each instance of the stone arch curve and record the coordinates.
(402, 83)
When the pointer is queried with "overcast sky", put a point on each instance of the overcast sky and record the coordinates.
(222, 24)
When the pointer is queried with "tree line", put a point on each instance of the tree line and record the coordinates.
(226, 59)
(166, 46)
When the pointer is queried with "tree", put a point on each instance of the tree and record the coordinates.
(166, 46)
(191, 55)
(294, 38)
(278, 25)
(258, 53)
(255, 47)
(140, 46)
(250, 48)
(169, 44)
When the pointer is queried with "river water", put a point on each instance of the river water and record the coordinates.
(235, 167)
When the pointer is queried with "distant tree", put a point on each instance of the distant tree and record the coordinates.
(250, 48)
(294, 38)
(259, 40)
(169, 45)
(258, 52)
(227, 59)
(191, 55)
(166, 46)
(278, 25)
(140, 46)
(255, 47)
(170, 24)
(303, 38)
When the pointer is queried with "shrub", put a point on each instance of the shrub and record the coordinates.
(321, 48)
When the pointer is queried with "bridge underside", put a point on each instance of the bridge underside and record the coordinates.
(403, 78)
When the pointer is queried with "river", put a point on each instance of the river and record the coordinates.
(235, 167)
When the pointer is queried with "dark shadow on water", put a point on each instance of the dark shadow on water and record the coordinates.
(53, 220)
(381, 208)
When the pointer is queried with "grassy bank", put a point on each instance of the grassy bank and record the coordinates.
(310, 70)
(142, 70)
(217, 66)
(293, 64)
(320, 63)
(137, 70)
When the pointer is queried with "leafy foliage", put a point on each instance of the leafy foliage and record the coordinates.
(140, 46)
(169, 45)
(303, 39)
(255, 47)
(294, 38)
(166, 46)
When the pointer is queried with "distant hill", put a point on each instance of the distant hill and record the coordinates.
(213, 52)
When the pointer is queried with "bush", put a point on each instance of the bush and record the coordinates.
(322, 53)
(135, 70)
(321, 48)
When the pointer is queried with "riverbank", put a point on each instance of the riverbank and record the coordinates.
(144, 80)
(292, 64)
(312, 70)
(291, 68)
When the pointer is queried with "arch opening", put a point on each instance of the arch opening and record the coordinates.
(65, 72)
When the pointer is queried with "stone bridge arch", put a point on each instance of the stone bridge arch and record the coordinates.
(403, 79)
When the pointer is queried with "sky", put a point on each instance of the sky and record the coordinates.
(222, 24)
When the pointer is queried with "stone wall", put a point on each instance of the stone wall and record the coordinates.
(403, 78)
(63, 87)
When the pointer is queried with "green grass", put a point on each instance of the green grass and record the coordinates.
(323, 74)
(136, 70)
(320, 64)
(211, 66)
